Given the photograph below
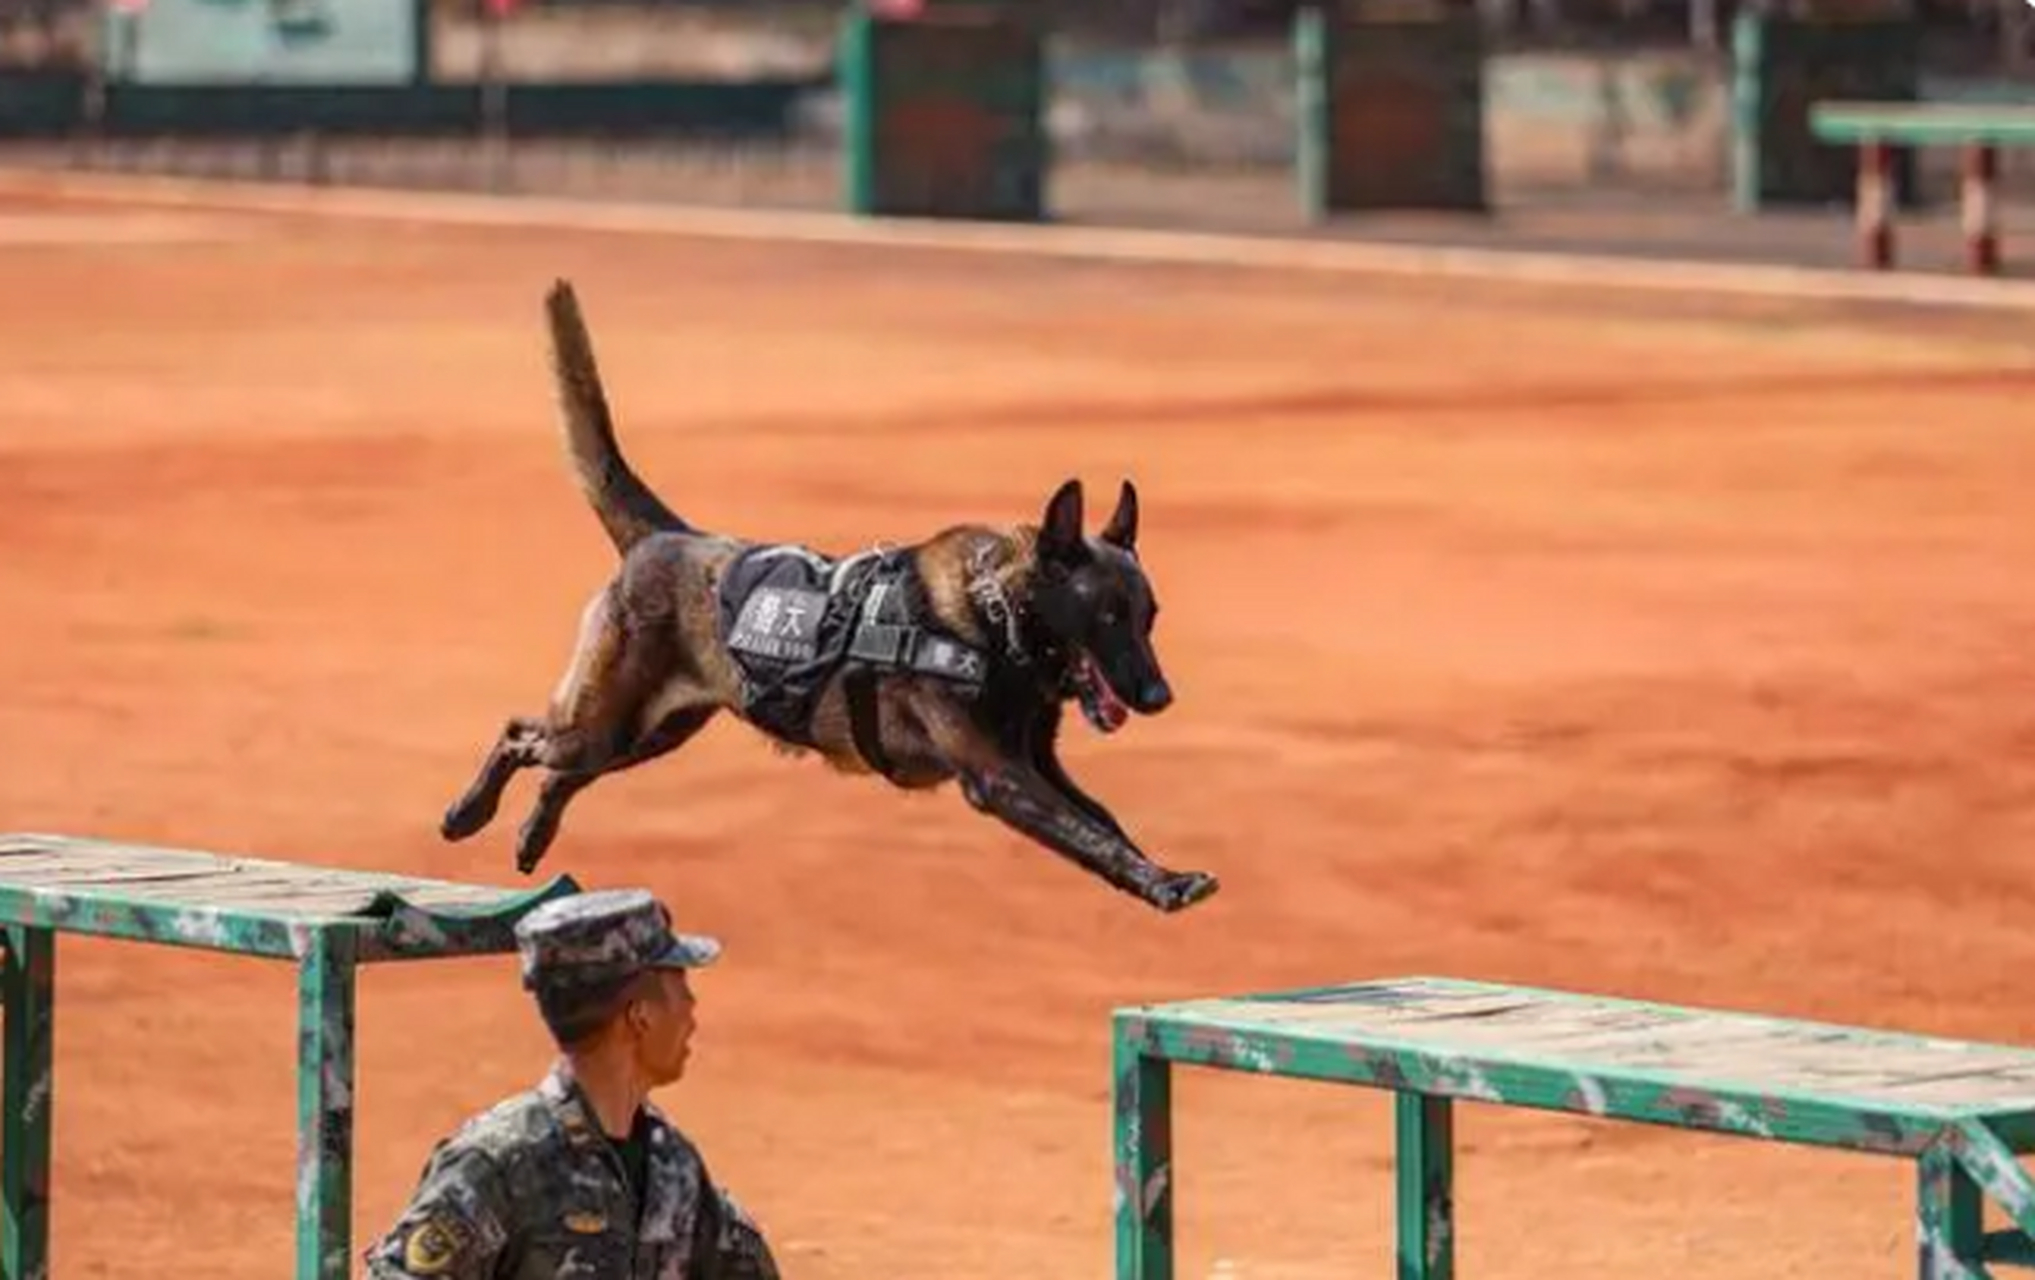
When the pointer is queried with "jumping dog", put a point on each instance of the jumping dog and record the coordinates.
(1005, 625)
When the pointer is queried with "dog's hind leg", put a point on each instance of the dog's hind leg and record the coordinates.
(560, 785)
(541, 827)
(527, 740)
(520, 746)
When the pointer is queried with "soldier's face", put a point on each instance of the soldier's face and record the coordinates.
(665, 1039)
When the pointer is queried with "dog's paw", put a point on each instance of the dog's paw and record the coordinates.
(456, 826)
(466, 818)
(1183, 889)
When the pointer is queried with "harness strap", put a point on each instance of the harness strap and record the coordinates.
(864, 722)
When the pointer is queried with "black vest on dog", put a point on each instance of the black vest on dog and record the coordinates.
(793, 619)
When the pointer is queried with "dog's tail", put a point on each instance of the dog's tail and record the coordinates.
(627, 509)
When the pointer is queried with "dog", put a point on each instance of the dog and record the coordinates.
(949, 659)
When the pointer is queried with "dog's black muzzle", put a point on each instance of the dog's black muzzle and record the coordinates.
(1140, 684)
(1152, 696)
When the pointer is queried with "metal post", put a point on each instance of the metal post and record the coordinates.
(1981, 230)
(1313, 67)
(1751, 91)
(1426, 1176)
(1144, 1159)
(423, 49)
(1950, 1219)
(856, 74)
(1875, 204)
(325, 1004)
(27, 1094)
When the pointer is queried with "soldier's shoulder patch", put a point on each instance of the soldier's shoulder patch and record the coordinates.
(586, 1224)
(433, 1245)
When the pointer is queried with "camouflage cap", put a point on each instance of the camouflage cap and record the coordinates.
(601, 937)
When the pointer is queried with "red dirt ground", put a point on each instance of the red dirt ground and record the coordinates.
(1680, 652)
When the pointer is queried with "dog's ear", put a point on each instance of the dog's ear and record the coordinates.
(1060, 530)
(1122, 529)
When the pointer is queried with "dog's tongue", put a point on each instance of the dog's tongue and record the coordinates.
(1113, 709)
(1105, 710)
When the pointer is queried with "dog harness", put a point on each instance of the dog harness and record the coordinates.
(794, 619)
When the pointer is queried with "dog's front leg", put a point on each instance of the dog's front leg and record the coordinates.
(1054, 775)
(1021, 798)
(1013, 791)
(1045, 758)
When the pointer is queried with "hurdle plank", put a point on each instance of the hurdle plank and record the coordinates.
(252, 906)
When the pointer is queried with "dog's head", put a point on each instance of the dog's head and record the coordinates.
(1094, 600)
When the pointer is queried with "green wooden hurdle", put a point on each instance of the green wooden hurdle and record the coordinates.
(1878, 128)
(325, 920)
(1960, 1111)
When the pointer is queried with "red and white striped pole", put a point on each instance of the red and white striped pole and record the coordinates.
(1981, 229)
(1875, 204)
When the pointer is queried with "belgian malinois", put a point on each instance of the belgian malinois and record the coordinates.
(961, 671)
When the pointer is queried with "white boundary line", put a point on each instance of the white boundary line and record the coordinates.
(1091, 243)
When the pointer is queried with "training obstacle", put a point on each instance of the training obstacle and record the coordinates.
(325, 920)
(1882, 130)
(1960, 1111)
(1784, 63)
(1391, 107)
(945, 112)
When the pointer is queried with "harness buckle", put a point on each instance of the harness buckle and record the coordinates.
(881, 642)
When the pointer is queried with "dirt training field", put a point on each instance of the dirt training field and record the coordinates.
(1672, 650)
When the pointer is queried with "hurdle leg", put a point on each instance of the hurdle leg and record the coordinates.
(325, 1003)
(1981, 227)
(1143, 1110)
(1875, 204)
(1949, 1219)
(1426, 1176)
(27, 1092)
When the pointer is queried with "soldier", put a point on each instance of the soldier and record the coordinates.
(581, 1176)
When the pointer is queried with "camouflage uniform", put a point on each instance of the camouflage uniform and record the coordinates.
(533, 1190)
